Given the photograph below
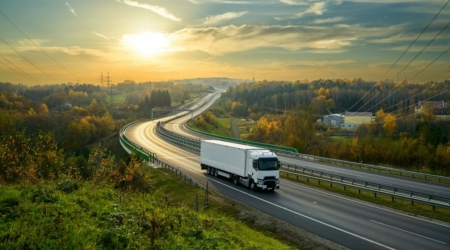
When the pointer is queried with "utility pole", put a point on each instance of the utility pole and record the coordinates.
(101, 79)
(109, 84)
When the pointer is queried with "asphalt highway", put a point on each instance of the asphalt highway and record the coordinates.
(349, 222)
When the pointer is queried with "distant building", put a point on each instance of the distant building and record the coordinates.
(335, 120)
(353, 119)
(441, 110)
(67, 105)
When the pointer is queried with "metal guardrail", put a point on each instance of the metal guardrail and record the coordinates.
(433, 199)
(282, 151)
(183, 141)
(369, 167)
(272, 147)
(133, 147)
(140, 151)
(193, 144)
(421, 199)
(180, 173)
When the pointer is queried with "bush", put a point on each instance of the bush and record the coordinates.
(67, 186)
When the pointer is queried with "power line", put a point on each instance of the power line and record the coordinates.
(407, 99)
(28, 76)
(28, 60)
(406, 51)
(416, 38)
(431, 63)
(14, 70)
(365, 96)
(397, 118)
(37, 45)
(425, 47)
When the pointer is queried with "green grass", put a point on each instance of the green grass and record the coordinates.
(417, 209)
(117, 98)
(244, 127)
(223, 127)
(90, 216)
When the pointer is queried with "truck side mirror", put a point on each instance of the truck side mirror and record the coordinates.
(278, 165)
(255, 164)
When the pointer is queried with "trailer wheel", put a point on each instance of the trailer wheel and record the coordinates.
(215, 172)
(236, 180)
(208, 170)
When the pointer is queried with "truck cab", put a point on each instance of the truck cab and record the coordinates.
(264, 172)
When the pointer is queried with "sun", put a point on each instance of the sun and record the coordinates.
(148, 43)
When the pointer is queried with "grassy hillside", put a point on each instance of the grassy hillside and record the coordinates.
(84, 215)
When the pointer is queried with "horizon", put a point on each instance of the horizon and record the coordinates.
(275, 40)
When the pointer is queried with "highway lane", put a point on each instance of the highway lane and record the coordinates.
(348, 222)
(422, 186)
(415, 185)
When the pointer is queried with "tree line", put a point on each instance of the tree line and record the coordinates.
(287, 114)
(158, 98)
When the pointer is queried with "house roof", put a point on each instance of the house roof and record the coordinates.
(437, 104)
(347, 113)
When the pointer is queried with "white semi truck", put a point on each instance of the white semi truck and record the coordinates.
(249, 166)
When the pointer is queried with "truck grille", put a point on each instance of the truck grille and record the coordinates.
(270, 184)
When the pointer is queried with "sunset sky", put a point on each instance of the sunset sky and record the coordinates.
(158, 40)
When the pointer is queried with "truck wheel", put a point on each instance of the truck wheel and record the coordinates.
(252, 185)
(236, 180)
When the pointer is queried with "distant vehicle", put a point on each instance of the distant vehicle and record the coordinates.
(253, 167)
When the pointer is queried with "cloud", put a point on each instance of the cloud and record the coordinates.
(438, 48)
(71, 9)
(211, 20)
(156, 9)
(219, 1)
(313, 39)
(100, 35)
(409, 37)
(294, 2)
(315, 9)
(328, 20)
(315, 64)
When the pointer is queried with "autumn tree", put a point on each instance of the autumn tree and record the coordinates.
(299, 129)
(390, 125)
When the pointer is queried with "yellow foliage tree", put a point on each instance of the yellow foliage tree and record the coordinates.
(390, 125)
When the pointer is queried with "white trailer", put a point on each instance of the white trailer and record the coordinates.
(249, 166)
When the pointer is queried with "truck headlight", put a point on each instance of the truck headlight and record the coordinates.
(260, 182)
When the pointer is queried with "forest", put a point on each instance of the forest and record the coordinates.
(48, 130)
(288, 114)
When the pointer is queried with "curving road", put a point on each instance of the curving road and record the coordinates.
(349, 222)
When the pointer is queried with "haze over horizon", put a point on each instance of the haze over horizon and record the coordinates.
(155, 40)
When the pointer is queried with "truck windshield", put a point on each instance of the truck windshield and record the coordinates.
(268, 164)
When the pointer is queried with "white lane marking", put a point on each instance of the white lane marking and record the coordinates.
(178, 157)
(307, 217)
(369, 205)
(399, 229)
